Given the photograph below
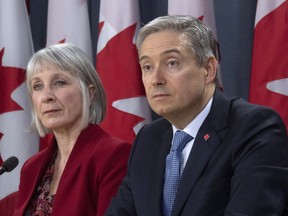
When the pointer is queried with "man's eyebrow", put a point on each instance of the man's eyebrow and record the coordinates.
(164, 53)
(170, 51)
(143, 58)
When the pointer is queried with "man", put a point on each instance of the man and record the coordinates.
(236, 159)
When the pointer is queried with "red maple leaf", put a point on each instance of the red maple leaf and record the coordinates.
(118, 67)
(11, 78)
(1, 161)
(201, 17)
(270, 60)
(100, 26)
(62, 41)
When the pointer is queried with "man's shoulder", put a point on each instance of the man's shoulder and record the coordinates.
(241, 106)
(238, 111)
(158, 124)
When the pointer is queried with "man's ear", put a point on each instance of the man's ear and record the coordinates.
(211, 70)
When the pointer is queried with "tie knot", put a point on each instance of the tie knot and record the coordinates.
(180, 140)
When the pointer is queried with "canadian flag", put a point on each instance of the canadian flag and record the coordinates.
(117, 65)
(68, 21)
(269, 75)
(204, 10)
(15, 112)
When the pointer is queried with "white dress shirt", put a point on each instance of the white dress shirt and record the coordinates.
(192, 129)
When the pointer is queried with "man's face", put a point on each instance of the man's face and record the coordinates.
(175, 85)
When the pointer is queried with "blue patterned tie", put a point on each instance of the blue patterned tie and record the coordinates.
(172, 172)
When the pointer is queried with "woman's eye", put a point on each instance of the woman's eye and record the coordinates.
(37, 86)
(60, 83)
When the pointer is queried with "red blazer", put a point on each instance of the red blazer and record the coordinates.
(91, 177)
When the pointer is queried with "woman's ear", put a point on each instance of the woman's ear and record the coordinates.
(211, 70)
(91, 90)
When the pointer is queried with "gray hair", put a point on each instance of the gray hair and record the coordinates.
(73, 60)
(201, 39)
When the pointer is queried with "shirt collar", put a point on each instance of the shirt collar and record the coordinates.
(193, 127)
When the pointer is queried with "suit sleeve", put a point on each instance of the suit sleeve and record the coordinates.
(123, 204)
(113, 173)
(260, 180)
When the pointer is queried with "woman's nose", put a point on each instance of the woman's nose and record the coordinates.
(47, 96)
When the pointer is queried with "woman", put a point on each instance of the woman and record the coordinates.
(79, 172)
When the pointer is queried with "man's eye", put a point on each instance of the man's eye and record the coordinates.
(146, 67)
(172, 63)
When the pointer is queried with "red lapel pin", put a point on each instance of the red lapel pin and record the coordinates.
(206, 137)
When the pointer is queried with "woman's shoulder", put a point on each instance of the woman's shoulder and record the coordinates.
(99, 141)
(97, 134)
(34, 161)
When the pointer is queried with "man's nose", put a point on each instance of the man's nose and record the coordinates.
(158, 77)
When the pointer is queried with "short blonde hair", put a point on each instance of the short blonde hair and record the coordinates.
(72, 59)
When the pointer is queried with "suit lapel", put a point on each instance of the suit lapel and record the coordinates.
(157, 173)
(207, 140)
(200, 154)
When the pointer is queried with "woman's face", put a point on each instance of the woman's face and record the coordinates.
(57, 99)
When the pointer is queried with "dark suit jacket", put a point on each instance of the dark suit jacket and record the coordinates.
(241, 169)
(94, 170)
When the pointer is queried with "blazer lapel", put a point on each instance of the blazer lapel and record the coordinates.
(157, 173)
(49, 151)
(198, 158)
(208, 138)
